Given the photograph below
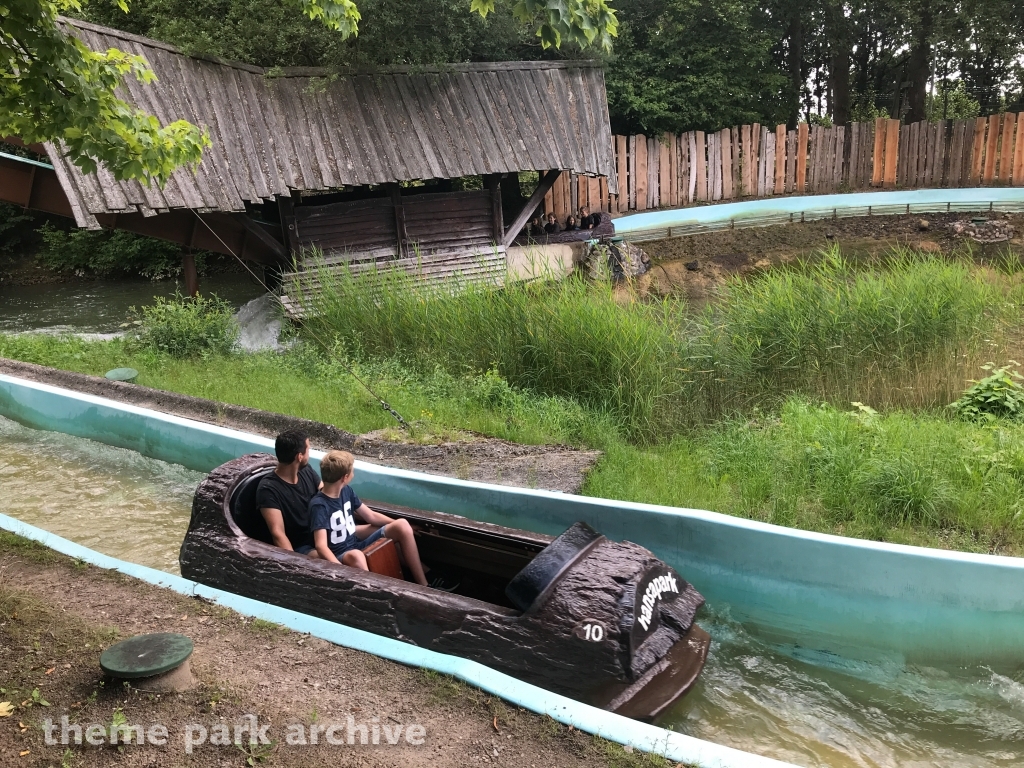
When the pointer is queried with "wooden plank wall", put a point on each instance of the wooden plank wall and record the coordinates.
(671, 170)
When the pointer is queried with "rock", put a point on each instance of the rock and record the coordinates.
(616, 260)
(924, 225)
(692, 266)
(929, 246)
(983, 230)
(830, 235)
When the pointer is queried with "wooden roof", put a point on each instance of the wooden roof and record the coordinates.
(303, 129)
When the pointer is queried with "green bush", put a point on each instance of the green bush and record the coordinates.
(184, 326)
(998, 395)
(101, 254)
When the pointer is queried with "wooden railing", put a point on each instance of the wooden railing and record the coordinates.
(754, 161)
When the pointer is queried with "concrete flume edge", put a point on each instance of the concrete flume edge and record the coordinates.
(598, 722)
(764, 210)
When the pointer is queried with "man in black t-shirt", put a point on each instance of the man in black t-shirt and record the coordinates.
(283, 496)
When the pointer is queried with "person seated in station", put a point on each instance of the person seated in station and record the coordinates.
(571, 224)
(283, 496)
(343, 526)
(586, 220)
(537, 227)
(551, 225)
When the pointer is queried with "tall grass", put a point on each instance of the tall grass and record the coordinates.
(567, 338)
(901, 477)
(907, 331)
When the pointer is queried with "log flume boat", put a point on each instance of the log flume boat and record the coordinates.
(605, 622)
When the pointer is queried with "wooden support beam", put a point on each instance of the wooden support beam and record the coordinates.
(546, 182)
(289, 227)
(262, 235)
(188, 267)
(32, 185)
(492, 183)
(402, 235)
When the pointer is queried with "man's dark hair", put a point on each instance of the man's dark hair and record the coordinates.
(290, 444)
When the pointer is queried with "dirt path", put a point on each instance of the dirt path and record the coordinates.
(56, 616)
(488, 460)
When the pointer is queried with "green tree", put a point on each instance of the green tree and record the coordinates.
(693, 64)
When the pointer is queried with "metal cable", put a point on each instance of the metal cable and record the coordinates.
(383, 403)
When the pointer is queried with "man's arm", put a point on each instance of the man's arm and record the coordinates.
(320, 542)
(367, 515)
(275, 522)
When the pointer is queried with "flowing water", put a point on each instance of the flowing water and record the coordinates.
(100, 306)
(753, 696)
(109, 499)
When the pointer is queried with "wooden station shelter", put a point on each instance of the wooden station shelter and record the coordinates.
(417, 166)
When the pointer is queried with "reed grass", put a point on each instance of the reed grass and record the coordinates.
(907, 332)
(567, 339)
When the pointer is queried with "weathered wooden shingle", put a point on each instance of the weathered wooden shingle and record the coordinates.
(312, 130)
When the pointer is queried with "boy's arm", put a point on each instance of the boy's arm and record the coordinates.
(320, 542)
(367, 515)
(275, 522)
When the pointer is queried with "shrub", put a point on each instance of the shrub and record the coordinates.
(102, 254)
(998, 395)
(185, 326)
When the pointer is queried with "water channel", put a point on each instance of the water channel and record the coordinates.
(752, 696)
(100, 306)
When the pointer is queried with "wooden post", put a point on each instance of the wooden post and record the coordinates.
(641, 172)
(632, 174)
(700, 165)
(401, 236)
(878, 157)
(665, 174)
(780, 159)
(492, 182)
(289, 229)
(669, 171)
(622, 199)
(546, 181)
(991, 148)
(978, 150)
(802, 136)
(191, 275)
(892, 143)
(1018, 153)
(726, 142)
(1006, 148)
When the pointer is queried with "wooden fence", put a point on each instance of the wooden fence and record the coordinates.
(754, 161)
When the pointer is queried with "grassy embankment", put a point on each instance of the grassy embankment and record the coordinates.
(745, 408)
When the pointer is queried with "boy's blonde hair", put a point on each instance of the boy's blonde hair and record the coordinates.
(336, 465)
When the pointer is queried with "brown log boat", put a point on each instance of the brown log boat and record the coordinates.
(604, 622)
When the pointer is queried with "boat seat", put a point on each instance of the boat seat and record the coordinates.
(531, 586)
(382, 558)
(244, 510)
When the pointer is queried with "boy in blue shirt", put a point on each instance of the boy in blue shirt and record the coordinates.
(333, 513)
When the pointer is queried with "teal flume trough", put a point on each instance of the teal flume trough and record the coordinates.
(651, 225)
(854, 598)
(819, 594)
